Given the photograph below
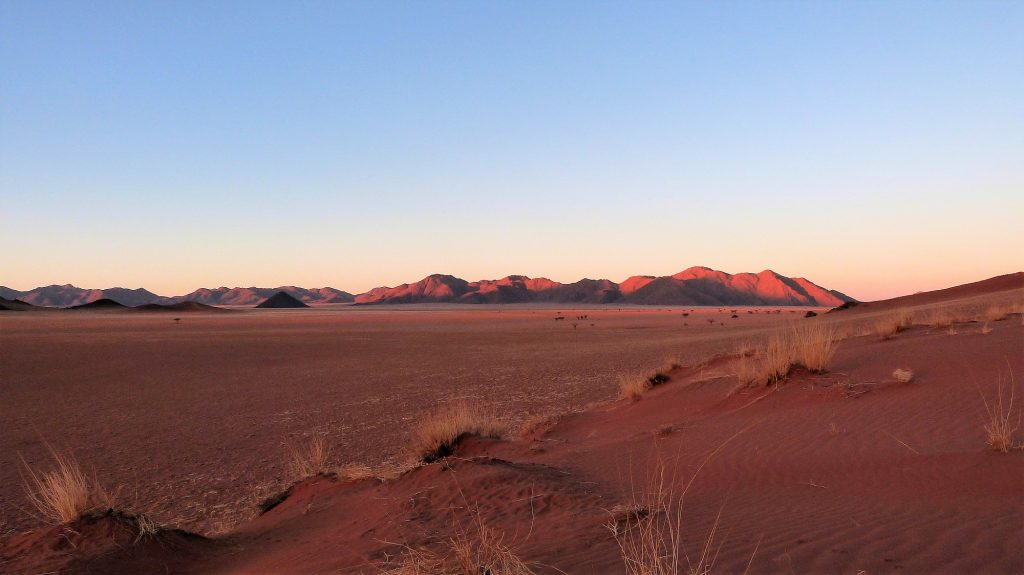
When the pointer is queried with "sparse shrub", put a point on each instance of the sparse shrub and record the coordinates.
(63, 493)
(440, 432)
(903, 375)
(311, 458)
(810, 314)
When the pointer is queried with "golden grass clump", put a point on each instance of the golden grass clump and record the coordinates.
(355, 472)
(889, 326)
(1000, 426)
(813, 346)
(633, 386)
(903, 375)
(64, 493)
(985, 329)
(440, 432)
(311, 458)
(809, 345)
(998, 312)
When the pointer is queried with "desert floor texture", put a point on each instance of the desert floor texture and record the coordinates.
(193, 420)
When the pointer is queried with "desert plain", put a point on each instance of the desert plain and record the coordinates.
(194, 420)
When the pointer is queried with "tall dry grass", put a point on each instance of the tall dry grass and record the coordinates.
(309, 459)
(473, 549)
(1000, 426)
(64, 492)
(809, 345)
(439, 432)
(649, 530)
(887, 327)
(814, 346)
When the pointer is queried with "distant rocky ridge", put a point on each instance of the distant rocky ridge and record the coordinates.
(694, 286)
(69, 296)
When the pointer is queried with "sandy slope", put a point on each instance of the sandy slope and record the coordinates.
(844, 472)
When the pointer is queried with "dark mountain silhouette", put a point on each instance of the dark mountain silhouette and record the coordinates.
(100, 304)
(281, 300)
(185, 306)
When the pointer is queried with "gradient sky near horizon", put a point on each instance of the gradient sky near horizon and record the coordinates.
(876, 148)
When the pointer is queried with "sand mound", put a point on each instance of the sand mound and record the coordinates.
(185, 306)
(281, 300)
(100, 304)
(110, 542)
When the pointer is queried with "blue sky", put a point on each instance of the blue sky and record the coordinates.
(872, 147)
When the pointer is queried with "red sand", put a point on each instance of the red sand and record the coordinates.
(843, 472)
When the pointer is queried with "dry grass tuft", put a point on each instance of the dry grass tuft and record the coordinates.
(746, 349)
(633, 386)
(998, 312)
(985, 329)
(476, 550)
(649, 529)
(999, 427)
(951, 330)
(887, 327)
(309, 459)
(813, 346)
(63, 493)
(809, 345)
(903, 375)
(538, 424)
(355, 472)
(439, 433)
(941, 318)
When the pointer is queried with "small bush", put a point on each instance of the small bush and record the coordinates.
(658, 379)
(810, 314)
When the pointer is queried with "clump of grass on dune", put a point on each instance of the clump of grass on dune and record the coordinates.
(309, 459)
(889, 326)
(634, 385)
(649, 529)
(814, 346)
(811, 346)
(440, 432)
(65, 492)
(1000, 426)
(474, 550)
(999, 312)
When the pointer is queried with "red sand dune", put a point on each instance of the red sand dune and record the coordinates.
(844, 472)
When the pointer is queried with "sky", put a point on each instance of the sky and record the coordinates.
(876, 148)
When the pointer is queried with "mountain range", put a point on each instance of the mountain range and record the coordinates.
(694, 286)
